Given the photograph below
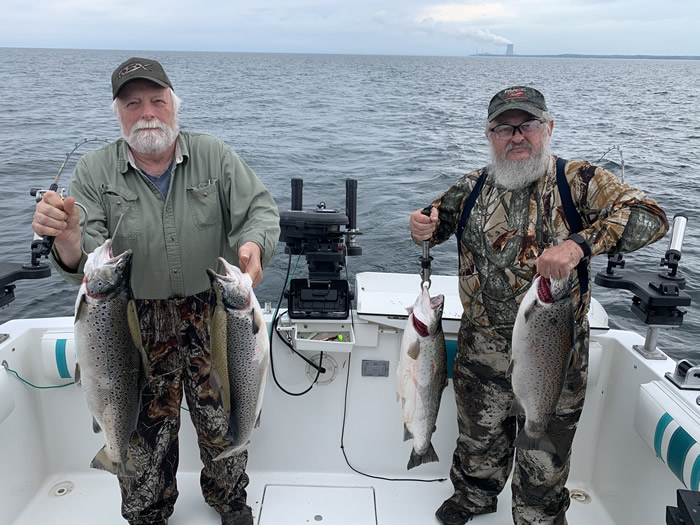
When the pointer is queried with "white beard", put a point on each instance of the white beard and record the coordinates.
(151, 141)
(517, 174)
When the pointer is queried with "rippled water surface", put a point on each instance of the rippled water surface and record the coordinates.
(404, 127)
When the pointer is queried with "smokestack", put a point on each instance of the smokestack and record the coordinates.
(509, 50)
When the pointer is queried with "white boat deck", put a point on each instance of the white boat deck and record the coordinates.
(279, 499)
(298, 475)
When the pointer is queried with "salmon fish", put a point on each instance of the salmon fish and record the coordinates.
(240, 351)
(421, 375)
(111, 363)
(542, 348)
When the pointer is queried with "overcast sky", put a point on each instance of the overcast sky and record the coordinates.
(404, 27)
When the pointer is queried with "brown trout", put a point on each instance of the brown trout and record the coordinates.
(240, 351)
(421, 375)
(542, 348)
(111, 364)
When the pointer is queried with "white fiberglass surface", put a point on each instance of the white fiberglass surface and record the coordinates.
(89, 498)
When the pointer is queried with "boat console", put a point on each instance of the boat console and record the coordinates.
(325, 237)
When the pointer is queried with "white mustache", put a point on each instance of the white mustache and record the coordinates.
(148, 124)
(523, 144)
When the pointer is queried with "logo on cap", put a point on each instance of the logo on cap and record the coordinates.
(134, 66)
(515, 93)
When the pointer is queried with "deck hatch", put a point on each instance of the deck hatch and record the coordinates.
(294, 504)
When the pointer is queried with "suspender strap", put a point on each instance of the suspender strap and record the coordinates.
(574, 220)
(572, 216)
(471, 200)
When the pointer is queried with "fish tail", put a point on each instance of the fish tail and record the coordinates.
(516, 408)
(124, 468)
(527, 441)
(430, 456)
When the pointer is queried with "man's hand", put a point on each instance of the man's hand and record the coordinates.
(58, 218)
(558, 261)
(249, 261)
(422, 226)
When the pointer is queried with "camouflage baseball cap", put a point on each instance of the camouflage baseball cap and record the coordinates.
(517, 97)
(134, 68)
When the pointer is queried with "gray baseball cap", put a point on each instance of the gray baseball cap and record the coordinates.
(517, 97)
(134, 68)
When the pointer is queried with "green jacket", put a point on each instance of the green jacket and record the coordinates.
(214, 205)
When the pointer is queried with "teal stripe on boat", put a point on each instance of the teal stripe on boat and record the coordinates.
(678, 449)
(695, 475)
(451, 349)
(61, 359)
(659, 434)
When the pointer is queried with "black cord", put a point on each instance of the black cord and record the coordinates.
(345, 413)
(342, 443)
(273, 327)
(318, 366)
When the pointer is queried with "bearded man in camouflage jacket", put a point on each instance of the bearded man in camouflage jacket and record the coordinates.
(517, 227)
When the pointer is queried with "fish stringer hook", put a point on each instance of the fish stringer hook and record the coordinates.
(426, 258)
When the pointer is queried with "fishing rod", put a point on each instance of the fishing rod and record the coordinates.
(42, 247)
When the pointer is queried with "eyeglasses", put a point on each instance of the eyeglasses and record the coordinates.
(506, 131)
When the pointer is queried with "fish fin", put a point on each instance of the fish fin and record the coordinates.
(218, 376)
(102, 462)
(516, 409)
(526, 441)
(414, 350)
(406, 433)
(135, 331)
(214, 382)
(509, 372)
(257, 421)
(528, 310)
(79, 305)
(76, 374)
(231, 451)
(430, 456)
(96, 428)
(254, 322)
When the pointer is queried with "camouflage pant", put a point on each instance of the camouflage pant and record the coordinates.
(176, 337)
(483, 458)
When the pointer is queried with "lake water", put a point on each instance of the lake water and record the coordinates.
(404, 127)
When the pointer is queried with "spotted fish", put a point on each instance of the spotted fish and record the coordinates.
(110, 359)
(543, 344)
(240, 351)
(421, 375)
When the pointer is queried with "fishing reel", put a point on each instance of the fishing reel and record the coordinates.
(325, 237)
(40, 247)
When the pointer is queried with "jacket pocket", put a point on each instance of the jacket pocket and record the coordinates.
(119, 202)
(204, 204)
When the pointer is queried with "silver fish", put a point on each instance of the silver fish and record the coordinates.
(110, 359)
(240, 353)
(542, 348)
(421, 375)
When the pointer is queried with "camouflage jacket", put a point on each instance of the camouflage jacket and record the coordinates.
(507, 230)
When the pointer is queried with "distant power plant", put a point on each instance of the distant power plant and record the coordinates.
(509, 50)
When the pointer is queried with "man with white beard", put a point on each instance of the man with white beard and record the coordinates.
(184, 199)
(527, 212)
